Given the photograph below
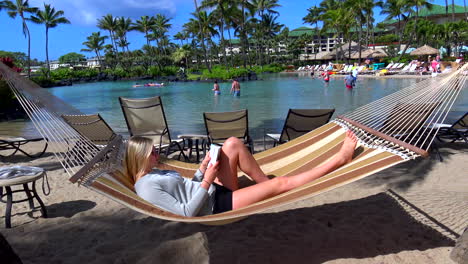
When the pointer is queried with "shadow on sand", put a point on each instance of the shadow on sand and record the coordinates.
(362, 228)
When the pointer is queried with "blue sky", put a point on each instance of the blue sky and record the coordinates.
(83, 15)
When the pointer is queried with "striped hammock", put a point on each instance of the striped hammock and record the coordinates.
(390, 130)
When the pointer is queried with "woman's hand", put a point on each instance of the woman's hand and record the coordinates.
(211, 172)
(205, 162)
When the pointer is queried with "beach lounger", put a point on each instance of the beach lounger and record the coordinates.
(145, 117)
(453, 132)
(92, 127)
(16, 143)
(299, 122)
(389, 66)
(223, 125)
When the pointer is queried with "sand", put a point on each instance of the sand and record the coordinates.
(411, 213)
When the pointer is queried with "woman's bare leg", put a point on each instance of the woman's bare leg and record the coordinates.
(255, 193)
(234, 154)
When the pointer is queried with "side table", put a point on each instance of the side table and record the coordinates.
(20, 175)
(199, 140)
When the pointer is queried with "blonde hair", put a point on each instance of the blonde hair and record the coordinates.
(136, 158)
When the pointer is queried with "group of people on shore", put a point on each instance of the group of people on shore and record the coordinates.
(235, 88)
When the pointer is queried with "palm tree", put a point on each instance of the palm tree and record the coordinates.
(144, 25)
(20, 8)
(341, 21)
(270, 28)
(95, 43)
(265, 5)
(417, 4)
(220, 9)
(396, 8)
(161, 26)
(313, 17)
(108, 22)
(180, 36)
(50, 18)
(124, 25)
(198, 15)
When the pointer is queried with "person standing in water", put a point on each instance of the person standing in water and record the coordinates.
(235, 88)
(326, 76)
(349, 81)
(216, 88)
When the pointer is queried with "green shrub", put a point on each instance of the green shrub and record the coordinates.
(170, 71)
(137, 71)
(62, 73)
(86, 73)
(153, 71)
(221, 73)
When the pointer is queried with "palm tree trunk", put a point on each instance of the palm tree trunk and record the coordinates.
(230, 47)
(29, 48)
(359, 43)
(446, 8)
(453, 10)
(47, 51)
(464, 5)
(202, 37)
(244, 40)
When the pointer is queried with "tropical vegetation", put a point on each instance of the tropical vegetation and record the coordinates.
(204, 48)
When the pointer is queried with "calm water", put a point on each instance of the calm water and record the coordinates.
(267, 100)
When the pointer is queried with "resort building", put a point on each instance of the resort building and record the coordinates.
(93, 63)
(56, 64)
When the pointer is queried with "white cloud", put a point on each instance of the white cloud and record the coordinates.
(86, 12)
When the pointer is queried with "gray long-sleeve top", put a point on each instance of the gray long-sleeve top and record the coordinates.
(169, 191)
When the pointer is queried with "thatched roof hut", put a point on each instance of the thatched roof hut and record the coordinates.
(424, 50)
(369, 53)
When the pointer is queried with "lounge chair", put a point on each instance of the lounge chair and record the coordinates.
(299, 122)
(453, 132)
(15, 144)
(145, 117)
(222, 125)
(92, 127)
(389, 66)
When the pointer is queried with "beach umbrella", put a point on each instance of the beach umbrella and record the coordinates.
(323, 55)
(369, 53)
(424, 50)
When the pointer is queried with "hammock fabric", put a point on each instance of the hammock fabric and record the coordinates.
(390, 130)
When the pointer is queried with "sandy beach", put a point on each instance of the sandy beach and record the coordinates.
(411, 213)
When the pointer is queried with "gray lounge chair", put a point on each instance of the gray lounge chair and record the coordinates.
(92, 127)
(222, 125)
(145, 117)
(453, 132)
(301, 121)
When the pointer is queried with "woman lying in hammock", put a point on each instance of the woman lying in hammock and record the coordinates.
(214, 188)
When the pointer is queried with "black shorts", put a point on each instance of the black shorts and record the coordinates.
(223, 199)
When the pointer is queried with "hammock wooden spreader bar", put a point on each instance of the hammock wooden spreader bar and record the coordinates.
(390, 130)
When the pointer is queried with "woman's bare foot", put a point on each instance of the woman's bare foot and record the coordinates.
(347, 150)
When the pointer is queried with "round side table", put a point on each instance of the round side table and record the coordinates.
(31, 193)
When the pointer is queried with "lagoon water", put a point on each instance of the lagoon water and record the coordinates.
(267, 100)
